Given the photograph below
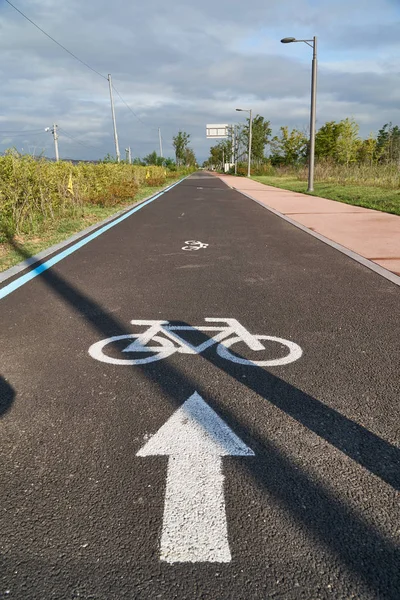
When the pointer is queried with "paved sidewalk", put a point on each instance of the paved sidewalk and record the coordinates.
(372, 234)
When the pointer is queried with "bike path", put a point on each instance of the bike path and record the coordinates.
(366, 234)
(308, 451)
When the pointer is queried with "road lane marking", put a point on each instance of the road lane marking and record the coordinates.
(195, 439)
(20, 281)
(168, 342)
(194, 245)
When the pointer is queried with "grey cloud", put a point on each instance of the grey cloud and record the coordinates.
(377, 35)
(182, 65)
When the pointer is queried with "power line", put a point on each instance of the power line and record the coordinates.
(79, 60)
(55, 41)
(63, 132)
(139, 119)
(74, 56)
(129, 108)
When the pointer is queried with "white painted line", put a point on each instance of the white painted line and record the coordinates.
(168, 342)
(17, 283)
(28, 262)
(295, 352)
(194, 245)
(195, 439)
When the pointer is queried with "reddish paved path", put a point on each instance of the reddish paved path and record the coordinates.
(372, 234)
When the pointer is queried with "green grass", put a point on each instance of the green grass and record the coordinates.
(52, 232)
(368, 196)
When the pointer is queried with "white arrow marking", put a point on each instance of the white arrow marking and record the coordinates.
(195, 438)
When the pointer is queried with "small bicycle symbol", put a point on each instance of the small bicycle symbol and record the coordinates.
(161, 339)
(194, 245)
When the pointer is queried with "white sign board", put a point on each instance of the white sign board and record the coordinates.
(217, 130)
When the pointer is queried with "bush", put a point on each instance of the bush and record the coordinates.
(382, 175)
(35, 190)
(261, 169)
(155, 180)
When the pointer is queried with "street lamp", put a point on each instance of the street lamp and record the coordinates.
(249, 110)
(313, 44)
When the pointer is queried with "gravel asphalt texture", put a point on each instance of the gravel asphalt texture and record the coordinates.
(314, 515)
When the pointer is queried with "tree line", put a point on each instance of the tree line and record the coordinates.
(336, 141)
(184, 155)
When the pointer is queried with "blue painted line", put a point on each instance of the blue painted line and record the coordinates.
(11, 287)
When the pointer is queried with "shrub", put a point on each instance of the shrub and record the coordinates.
(35, 190)
(385, 175)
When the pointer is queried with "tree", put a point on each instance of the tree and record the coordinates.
(154, 159)
(169, 163)
(109, 158)
(388, 143)
(289, 148)
(348, 142)
(190, 159)
(220, 153)
(180, 143)
(261, 132)
(326, 140)
(367, 150)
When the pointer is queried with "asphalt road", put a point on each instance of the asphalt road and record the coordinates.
(276, 482)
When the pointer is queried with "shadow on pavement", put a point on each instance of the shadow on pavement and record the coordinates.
(358, 545)
(7, 395)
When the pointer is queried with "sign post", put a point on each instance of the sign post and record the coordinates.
(215, 131)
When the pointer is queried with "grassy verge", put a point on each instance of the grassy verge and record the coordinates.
(57, 230)
(368, 196)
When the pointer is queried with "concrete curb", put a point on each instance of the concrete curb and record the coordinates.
(357, 257)
(12, 271)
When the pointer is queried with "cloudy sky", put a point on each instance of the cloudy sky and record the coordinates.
(185, 63)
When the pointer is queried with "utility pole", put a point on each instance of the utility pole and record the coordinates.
(223, 160)
(55, 136)
(113, 118)
(128, 155)
(159, 137)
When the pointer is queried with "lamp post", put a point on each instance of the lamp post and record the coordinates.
(249, 110)
(235, 149)
(313, 44)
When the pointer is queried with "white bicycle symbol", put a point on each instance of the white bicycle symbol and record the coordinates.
(194, 245)
(169, 342)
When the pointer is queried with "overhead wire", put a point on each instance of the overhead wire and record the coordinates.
(55, 41)
(73, 138)
(79, 60)
(130, 109)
